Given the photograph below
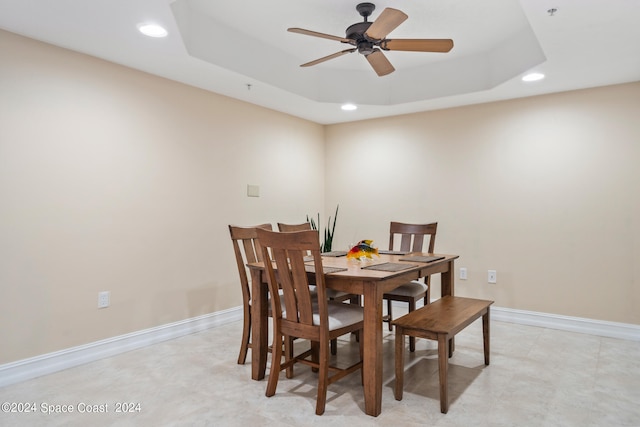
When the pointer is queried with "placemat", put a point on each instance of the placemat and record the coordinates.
(388, 266)
(384, 252)
(334, 253)
(421, 258)
(325, 269)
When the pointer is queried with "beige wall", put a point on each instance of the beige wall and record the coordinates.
(112, 179)
(545, 190)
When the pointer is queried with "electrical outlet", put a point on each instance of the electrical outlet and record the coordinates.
(103, 299)
(493, 276)
(463, 273)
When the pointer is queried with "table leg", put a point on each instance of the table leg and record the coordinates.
(486, 335)
(372, 364)
(447, 288)
(446, 280)
(259, 325)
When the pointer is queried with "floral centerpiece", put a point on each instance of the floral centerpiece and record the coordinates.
(363, 250)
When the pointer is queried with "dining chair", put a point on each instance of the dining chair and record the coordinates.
(318, 320)
(331, 293)
(246, 247)
(412, 239)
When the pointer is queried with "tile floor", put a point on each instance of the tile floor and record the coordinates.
(537, 377)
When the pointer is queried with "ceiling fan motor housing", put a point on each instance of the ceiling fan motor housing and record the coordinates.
(356, 32)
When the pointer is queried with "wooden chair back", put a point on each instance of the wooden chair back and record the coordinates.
(330, 293)
(246, 248)
(294, 227)
(287, 251)
(412, 236)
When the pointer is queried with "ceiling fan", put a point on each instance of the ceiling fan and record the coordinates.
(367, 37)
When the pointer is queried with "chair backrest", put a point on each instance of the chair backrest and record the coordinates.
(412, 236)
(246, 247)
(294, 227)
(287, 251)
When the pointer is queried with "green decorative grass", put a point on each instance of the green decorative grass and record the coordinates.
(326, 245)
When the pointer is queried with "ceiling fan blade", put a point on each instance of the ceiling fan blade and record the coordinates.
(380, 63)
(328, 57)
(322, 35)
(388, 20)
(417, 45)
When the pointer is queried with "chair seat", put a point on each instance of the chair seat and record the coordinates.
(411, 289)
(341, 315)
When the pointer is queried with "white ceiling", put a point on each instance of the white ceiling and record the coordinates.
(225, 46)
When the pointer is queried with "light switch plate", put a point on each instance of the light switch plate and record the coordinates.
(253, 190)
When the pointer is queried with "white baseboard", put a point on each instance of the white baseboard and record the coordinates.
(49, 363)
(26, 369)
(582, 325)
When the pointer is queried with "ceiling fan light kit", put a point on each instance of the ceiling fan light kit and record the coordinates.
(369, 39)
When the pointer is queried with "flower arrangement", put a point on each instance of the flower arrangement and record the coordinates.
(363, 250)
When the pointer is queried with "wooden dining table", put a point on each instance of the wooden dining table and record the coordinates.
(371, 279)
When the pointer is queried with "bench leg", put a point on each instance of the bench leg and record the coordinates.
(486, 336)
(399, 363)
(443, 367)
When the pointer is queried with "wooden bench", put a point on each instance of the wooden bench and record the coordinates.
(441, 321)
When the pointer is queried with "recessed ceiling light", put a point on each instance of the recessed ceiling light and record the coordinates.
(349, 107)
(532, 77)
(152, 30)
